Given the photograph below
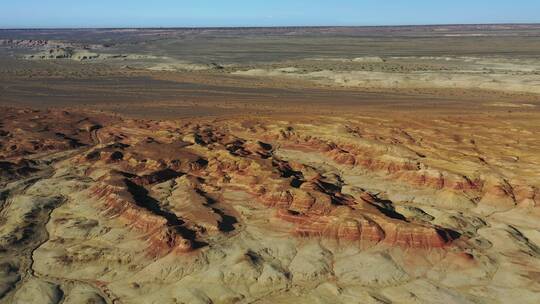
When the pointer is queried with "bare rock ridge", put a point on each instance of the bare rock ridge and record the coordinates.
(117, 201)
(257, 207)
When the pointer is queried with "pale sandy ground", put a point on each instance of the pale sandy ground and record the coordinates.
(497, 74)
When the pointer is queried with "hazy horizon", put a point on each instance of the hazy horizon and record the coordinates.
(265, 26)
(33, 14)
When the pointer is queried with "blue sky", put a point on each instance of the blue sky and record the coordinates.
(158, 13)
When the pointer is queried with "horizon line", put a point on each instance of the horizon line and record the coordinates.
(263, 26)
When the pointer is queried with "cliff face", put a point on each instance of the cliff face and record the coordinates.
(245, 208)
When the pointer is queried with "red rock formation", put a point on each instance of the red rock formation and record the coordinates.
(395, 168)
(319, 210)
(150, 153)
(115, 201)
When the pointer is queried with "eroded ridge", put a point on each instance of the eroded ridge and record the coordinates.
(160, 230)
(242, 202)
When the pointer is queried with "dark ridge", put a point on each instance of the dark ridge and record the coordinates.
(227, 221)
(237, 148)
(5, 165)
(12, 170)
(265, 146)
(157, 177)
(93, 156)
(201, 162)
(286, 171)
(3, 197)
(253, 257)
(295, 213)
(296, 183)
(73, 142)
(4, 133)
(117, 145)
(448, 235)
(329, 187)
(117, 155)
(338, 200)
(206, 137)
(199, 140)
(26, 170)
(142, 199)
(127, 174)
(386, 207)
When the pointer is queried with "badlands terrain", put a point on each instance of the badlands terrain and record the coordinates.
(283, 165)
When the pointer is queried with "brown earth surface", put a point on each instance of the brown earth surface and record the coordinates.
(136, 185)
(345, 207)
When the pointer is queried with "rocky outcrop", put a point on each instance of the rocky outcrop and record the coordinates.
(115, 201)
(64, 53)
(147, 206)
(24, 43)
